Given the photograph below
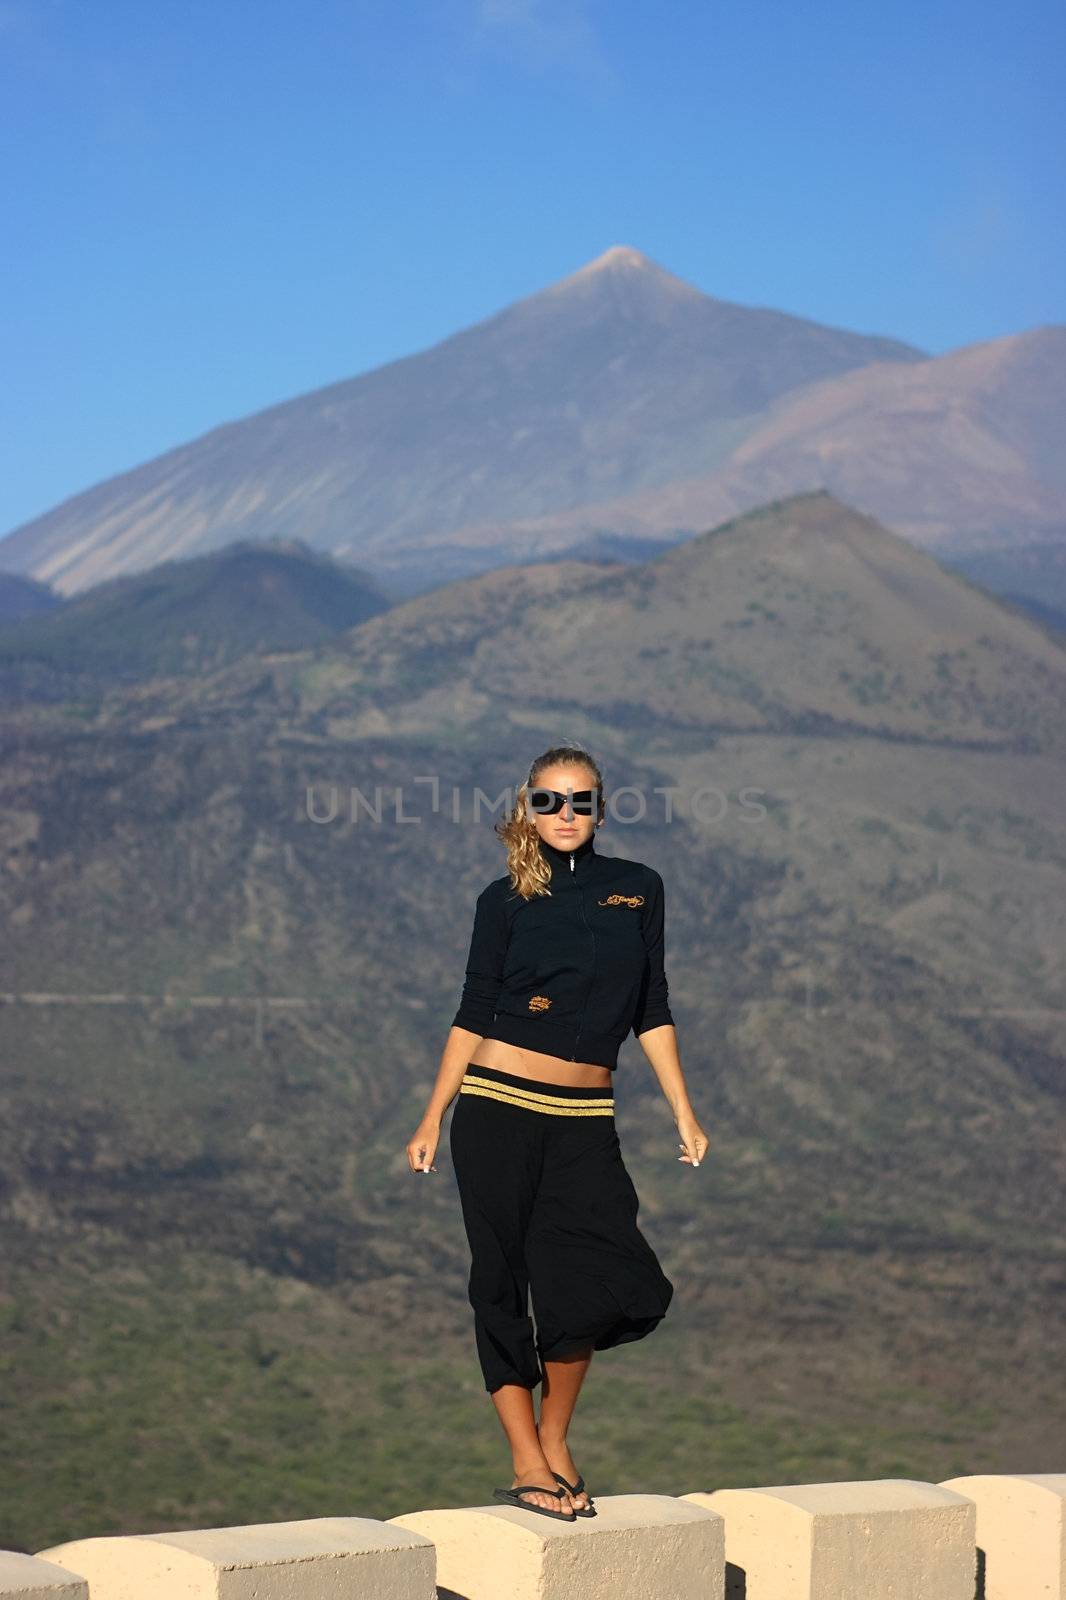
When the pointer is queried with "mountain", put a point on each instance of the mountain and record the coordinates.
(188, 617)
(618, 378)
(160, 840)
(960, 453)
(1032, 575)
(238, 906)
(803, 617)
(24, 597)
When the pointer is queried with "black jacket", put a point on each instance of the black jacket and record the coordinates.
(570, 973)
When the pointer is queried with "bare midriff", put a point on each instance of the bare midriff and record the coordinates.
(535, 1064)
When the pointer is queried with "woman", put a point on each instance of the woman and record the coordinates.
(566, 958)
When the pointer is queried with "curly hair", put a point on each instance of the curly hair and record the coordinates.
(526, 862)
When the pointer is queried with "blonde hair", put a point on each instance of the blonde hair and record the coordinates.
(529, 867)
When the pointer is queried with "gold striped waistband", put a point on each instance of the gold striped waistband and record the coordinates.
(536, 1100)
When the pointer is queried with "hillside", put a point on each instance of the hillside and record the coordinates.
(801, 617)
(24, 597)
(187, 618)
(221, 1017)
(959, 453)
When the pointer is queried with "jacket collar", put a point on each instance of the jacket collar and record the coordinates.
(584, 856)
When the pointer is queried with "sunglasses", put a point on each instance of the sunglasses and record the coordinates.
(548, 802)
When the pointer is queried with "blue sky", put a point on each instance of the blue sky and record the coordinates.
(211, 207)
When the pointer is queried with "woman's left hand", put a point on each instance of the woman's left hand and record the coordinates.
(694, 1142)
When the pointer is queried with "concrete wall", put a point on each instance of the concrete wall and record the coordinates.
(987, 1537)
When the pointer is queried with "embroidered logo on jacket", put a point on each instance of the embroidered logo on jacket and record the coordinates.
(539, 1002)
(622, 900)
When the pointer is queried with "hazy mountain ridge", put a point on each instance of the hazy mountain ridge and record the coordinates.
(186, 618)
(957, 452)
(1030, 575)
(617, 378)
(24, 597)
(803, 616)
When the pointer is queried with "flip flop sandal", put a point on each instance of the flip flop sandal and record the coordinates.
(577, 1488)
(512, 1498)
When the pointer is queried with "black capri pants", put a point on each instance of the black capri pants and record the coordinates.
(549, 1210)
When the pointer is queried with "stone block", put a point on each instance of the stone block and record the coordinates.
(323, 1558)
(25, 1577)
(1021, 1532)
(885, 1539)
(637, 1547)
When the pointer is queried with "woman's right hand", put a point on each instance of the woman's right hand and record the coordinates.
(423, 1147)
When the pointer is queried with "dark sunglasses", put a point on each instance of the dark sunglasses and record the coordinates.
(548, 802)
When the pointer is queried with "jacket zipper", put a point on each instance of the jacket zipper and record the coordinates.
(592, 979)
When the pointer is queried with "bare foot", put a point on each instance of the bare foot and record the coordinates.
(540, 1473)
(559, 1459)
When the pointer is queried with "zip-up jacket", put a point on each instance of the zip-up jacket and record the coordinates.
(573, 972)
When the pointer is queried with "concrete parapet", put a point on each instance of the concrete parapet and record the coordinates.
(641, 1546)
(1021, 1532)
(25, 1577)
(997, 1536)
(342, 1558)
(886, 1539)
